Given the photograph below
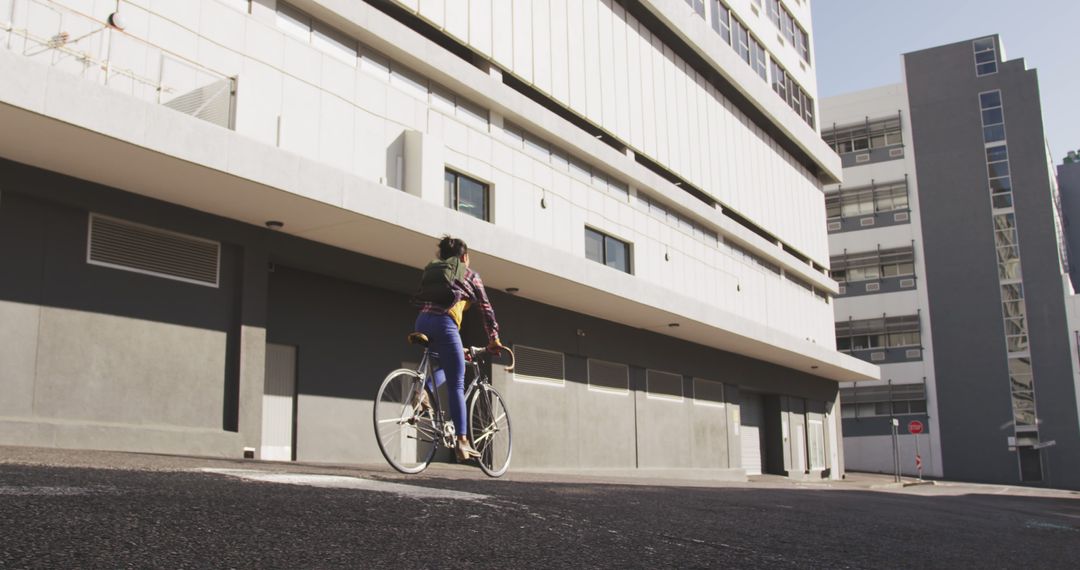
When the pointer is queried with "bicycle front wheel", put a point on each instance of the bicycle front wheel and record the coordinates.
(404, 429)
(489, 430)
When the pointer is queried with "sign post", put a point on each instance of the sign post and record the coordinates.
(896, 449)
(915, 427)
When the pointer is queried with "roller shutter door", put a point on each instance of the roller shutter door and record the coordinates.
(752, 416)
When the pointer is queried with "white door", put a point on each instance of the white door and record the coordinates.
(279, 393)
(800, 448)
(751, 416)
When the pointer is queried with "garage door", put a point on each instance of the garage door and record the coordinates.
(752, 416)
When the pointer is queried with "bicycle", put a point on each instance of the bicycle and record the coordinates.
(409, 432)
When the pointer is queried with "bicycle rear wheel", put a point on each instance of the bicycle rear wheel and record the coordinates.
(404, 430)
(489, 430)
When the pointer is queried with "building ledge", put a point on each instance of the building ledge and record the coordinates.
(59, 122)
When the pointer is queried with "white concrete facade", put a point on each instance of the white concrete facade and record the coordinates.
(875, 452)
(348, 149)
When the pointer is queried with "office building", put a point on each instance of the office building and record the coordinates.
(946, 237)
(214, 212)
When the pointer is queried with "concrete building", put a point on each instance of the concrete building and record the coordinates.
(1068, 177)
(213, 213)
(946, 237)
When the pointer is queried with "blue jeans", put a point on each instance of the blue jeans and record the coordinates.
(445, 341)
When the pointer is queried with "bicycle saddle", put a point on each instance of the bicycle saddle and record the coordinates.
(418, 338)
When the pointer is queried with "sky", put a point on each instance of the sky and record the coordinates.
(858, 44)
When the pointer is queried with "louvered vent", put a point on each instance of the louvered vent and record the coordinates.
(609, 375)
(664, 384)
(708, 393)
(211, 103)
(135, 247)
(539, 363)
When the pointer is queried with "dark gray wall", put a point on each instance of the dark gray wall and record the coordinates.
(347, 313)
(1069, 187)
(965, 306)
(43, 232)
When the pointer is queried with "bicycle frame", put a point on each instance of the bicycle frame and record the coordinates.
(426, 370)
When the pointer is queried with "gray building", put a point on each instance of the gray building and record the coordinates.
(1068, 174)
(213, 212)
(987, 259)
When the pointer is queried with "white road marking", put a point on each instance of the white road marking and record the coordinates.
(50, 491)
(340, 482)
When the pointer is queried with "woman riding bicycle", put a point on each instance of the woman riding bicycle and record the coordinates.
(441, 322)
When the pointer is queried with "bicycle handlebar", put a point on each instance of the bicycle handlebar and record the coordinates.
(475, 351)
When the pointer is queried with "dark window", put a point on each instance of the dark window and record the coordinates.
(605, 249)
(985, 56)
(990, 99)
(994, 133)
(466, 195)
(993, 116)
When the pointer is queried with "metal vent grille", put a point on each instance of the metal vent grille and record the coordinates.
(896, 152)
(877, 356)
(907, 283)
(538, 363)
(134, 247)
(708, 393)
(609, 376)
(900, 216)
(211, 103)
(866, 222)
(664, 385)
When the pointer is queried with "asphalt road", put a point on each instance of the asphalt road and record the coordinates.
(81, 517)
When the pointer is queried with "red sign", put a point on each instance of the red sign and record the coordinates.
(914, 426)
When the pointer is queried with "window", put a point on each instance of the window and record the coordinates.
(873, 265)
(757, 57)
(787, 25)
(741, 41)
(779, 80)
(774, 12)
(877, 133)
(808, 109)
(889, 400)
(802, 43)
(466, 195)
(697, 6)
(993, 116)
(878, 333)
(605, 249)
(721, 20)
(861, 201)
(985, 57)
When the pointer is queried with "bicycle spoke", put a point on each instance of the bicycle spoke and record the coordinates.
(405, 433)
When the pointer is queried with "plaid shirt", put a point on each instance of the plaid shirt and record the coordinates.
(469, 290)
